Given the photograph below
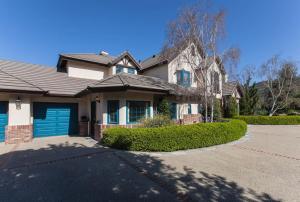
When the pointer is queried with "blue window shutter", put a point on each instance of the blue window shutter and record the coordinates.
(113, 111)
(179, 77)
(189, 109)
(189, 79)
(173, 111)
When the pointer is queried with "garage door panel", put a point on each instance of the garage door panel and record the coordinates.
(53, 119)
(3, 119)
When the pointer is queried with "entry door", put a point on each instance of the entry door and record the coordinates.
(3, 119)
(93, 118)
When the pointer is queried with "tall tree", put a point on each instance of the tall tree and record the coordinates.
(195, 36)
(249, 98)
(279, 75)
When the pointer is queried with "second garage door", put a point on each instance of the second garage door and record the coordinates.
(3, 119)
(53, 119)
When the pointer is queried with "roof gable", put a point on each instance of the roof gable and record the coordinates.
(125, 55)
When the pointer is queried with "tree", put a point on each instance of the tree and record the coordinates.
(279, 75)
(193, 39)
(164, 108)
(249, 98)
(231, 108)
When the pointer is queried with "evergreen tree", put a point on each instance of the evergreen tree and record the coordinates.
(249, 99)
(164, 108)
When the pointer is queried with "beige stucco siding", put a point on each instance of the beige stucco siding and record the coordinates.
(19, 116)
(160, 72)
(86, 70)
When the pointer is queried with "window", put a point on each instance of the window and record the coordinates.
(131, 70)
(200, 109)
(119, 69)
(137, 110)
(193, 51)
(113, 111)
(189, 109)
(215, 82)
(173, 110)
(184, 78)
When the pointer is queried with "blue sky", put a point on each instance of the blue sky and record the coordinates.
(37, 31)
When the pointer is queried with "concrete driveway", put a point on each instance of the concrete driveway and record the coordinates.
(264, 166)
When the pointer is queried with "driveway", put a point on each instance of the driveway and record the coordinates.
(264, 166)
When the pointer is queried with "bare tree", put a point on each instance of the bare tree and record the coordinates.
(279, 75)
(193, 39)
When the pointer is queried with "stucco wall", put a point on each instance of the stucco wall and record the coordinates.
(19, 116)
(160, 72)
(86, 70)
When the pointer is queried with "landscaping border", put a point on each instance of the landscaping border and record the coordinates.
(174, 138)
(270, 120)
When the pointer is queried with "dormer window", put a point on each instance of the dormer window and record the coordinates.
(184, 78)
(131, 70)
(119, 69)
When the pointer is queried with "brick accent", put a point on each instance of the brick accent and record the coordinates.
(18, 134)
(83, 128)
(191, 118)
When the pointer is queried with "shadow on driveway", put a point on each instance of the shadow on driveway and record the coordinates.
(75, 172)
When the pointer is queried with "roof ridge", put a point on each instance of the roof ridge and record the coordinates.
(22, 80)
(123, 80)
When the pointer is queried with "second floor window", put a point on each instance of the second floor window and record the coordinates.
(216, 82)
(119, 69)
(131, 70)
(184, 78)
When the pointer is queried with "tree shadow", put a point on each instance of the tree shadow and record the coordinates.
(75, 172)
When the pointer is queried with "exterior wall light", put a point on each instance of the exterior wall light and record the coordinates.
(97, 99)
(18, 103)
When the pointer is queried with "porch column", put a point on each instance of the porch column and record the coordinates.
(122, 112)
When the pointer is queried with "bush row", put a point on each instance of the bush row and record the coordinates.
(270, 120)
(176, 137)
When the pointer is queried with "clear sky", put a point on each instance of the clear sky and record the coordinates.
(36, 31)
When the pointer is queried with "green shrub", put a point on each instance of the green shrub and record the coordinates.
(270, 120)
(164, 108)
(156, 121)
(217, 110)
(231, 108)
(176, 137)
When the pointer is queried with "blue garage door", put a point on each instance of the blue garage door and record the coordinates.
(3, 119)
(53, 119)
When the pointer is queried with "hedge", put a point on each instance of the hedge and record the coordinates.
(270, 120)
(176, 137)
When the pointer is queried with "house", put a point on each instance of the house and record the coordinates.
(88, 92)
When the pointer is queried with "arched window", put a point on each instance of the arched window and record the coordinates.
(215, 82)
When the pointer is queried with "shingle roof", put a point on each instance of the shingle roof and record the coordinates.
(19, 76)
(229, 88)
(124, 80)
(11, 83)
(130, 80)
(100, 59)
(152, 61)
(45, 78)
(91, 57)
